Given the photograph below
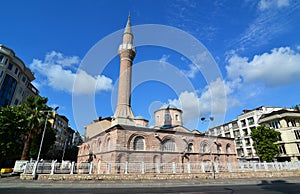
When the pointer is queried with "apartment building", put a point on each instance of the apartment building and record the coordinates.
(240, 130)
(287, 122)
(15, 79)
(66, 137)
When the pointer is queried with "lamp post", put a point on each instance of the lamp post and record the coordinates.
(41, 144)
(203, 119)
(64, 149)
(66, 142)
(211, 160)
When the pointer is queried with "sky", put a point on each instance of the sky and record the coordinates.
(211, 58)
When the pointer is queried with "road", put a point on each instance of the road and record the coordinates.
(258, 186)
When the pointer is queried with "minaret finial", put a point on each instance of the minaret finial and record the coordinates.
(128, 26)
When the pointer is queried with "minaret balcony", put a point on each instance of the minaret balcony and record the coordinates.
(126, 47)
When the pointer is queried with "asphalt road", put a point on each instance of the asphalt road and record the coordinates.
(289, 185)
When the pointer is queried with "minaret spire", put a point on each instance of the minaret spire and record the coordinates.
(123, 113)
(128, 26)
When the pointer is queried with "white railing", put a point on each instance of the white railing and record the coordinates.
(146, 168)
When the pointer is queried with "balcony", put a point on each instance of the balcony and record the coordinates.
(235, 126)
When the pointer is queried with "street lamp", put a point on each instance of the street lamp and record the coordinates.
(64, 149)
(41, 144)
(203, 119)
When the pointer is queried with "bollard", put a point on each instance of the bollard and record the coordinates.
(216, 167)
(266, 166)
(52, 167)
(158, 167)
(143, 167)
(72, 167)
(229, 166)
(25, 169)
(98, 167)
(34, 170)
(108, 168)
(189, 167)
(276, 166)
(91, 167)
(173, 167)
(203, 167)
(126, 167)
(254, 167)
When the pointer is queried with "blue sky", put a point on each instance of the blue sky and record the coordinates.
(252, 52)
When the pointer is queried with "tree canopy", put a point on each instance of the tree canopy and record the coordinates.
(12, 121)
(20, 126)
(264, 142)
(49, 140)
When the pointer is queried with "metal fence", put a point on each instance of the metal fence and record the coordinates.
(143, 168)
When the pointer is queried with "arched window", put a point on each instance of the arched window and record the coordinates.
(84, 148)
(167, 117)
(204, 148)
(100, 146)
(94, 146)
(219, 150)
(177, 118)
(228, 149)
(139, 143)
(168, 146)
(108, 144)
(190, 147)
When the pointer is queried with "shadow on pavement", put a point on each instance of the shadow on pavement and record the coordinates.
(280, 186)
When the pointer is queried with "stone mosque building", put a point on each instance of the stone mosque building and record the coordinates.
(124, 138)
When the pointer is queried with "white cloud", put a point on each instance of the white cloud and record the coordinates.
(54, 68)
(164, 58)
(58, 58)
(273, 19)
(198, 64)
(216, 97)
(86, 83)
(279, 67)
(214, 100)
(189, 103)
(268, 4)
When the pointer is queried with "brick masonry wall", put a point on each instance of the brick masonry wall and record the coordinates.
(225, 175)
(121, 147)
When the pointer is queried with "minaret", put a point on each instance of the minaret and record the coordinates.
(123, 113)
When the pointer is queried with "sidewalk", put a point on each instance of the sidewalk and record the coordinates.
(15, 182)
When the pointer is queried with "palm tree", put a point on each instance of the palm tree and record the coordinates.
(36, 109)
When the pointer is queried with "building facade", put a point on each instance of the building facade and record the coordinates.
(287, 122)
(127, 138)
(15, 79)
(240, 130)
(66, 137)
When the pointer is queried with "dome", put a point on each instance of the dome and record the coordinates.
(140, 118)
(169, 106)
(168, 116)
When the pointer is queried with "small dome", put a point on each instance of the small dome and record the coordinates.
(168, 116)
(140, 118)
(169, 106)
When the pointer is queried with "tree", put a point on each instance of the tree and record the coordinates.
(12, 120)
(47, 143)
(297, 107)
(35, 108)
(264, 139)
(71, 153)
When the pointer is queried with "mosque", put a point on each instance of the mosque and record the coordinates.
(124, 138)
